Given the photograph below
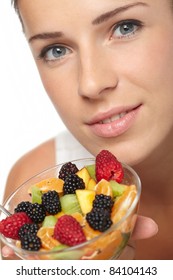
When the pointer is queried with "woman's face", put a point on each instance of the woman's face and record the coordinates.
(107, 66)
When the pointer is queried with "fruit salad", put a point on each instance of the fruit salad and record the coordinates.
(82, 213)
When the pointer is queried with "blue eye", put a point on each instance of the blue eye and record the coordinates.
(126, 28)
(53, 53)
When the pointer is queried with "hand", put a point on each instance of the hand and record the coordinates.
(144, 228)
(8, 253)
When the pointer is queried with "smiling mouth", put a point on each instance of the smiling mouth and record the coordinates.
(113, 118)
(114, 124)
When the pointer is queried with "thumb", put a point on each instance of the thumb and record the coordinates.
(144, 228)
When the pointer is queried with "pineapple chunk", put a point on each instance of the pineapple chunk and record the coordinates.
(85, 199)
(91, 184)
(84, 174)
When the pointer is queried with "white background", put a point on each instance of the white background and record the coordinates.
(27, 116)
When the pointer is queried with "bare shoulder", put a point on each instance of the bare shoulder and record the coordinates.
(36, 160)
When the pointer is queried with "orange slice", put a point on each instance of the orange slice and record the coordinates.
(89, 232)
(46, 236)
(99, 244)
(104, 187)
(110, 250)
(105, 247)
(49, 184)
(123, 203)
(59, 214)
(79, 217)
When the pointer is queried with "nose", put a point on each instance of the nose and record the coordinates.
(97, 74)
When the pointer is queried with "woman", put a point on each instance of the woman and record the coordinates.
(107, 67)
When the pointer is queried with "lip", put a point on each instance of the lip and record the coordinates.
(115, 121)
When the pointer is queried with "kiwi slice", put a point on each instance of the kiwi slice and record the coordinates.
(91, 170)
(36, 194)
(71, 255)
(117, 188)
(70, 204)
(49, 221)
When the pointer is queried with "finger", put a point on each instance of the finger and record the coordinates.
(144, 228)
(7, 252)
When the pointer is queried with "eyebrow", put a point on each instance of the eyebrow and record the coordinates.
(108, 15)
(46, 35)
(100, 19)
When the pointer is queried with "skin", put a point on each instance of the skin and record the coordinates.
(105, 72)
(84, 67)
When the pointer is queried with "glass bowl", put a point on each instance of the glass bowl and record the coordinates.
(107, 245)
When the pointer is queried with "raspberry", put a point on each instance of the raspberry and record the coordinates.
(68, 231)
(10, 226)
(51, 202)
(66, 169)
(103, 201)
(108, 167)
(31, 242)
(28, 229)
(99, 219)
(72, 183)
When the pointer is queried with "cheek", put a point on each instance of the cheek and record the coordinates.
(60, 88)
(56, 85)
(151, 65)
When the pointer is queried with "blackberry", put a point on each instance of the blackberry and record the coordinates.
(103, 201)
(99, 219)
(66, 169)
(37, 213)
(28, 229)
(51, 202)
(23, 206)
(72, 183)
(31, 242)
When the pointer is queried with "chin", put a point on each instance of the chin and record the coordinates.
(126, 154)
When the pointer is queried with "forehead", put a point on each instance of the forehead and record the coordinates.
(48, 9)
(49, 14)
(38, 13)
